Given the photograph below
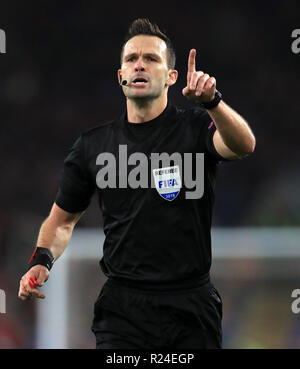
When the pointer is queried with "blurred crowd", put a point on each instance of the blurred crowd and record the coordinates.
(59, 78)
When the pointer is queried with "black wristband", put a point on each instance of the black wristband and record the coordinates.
(213, 103)
(41, 256)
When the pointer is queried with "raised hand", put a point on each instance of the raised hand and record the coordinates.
(200, 86)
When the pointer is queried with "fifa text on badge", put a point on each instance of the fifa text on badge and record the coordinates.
(2, 42)
(296, 43)
(2, 302)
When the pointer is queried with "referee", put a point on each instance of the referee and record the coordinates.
(157, 249)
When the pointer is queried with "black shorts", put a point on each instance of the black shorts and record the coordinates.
(130, 318)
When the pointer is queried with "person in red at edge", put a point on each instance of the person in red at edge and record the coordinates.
(157, 251)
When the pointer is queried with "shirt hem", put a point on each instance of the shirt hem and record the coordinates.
(181, 285)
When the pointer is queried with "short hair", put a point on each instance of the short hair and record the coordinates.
(143, 26)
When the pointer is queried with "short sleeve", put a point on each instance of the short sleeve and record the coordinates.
(76, 186)
(207, 131)
(209, 143)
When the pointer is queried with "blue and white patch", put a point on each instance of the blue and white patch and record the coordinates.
(167, 182)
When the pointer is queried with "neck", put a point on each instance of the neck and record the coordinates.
(139, 111)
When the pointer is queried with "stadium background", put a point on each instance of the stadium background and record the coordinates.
(58, 78)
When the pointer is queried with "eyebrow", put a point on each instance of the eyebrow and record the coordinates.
(153, 55)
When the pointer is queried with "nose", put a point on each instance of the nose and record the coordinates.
(139, 66)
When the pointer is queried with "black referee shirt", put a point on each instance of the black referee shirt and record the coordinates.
(150, 239)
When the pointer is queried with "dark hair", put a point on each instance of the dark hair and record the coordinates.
(143, 26)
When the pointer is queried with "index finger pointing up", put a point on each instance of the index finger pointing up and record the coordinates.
(191, 64)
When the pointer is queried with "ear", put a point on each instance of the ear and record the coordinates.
(119, 75)
(172, 77)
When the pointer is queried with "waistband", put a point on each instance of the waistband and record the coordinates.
(185, 284)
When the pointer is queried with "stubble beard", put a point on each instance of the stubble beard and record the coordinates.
(144, 100)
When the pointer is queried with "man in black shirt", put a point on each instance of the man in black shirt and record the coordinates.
(154, 171)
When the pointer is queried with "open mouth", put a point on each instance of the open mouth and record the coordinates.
(139, 81)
